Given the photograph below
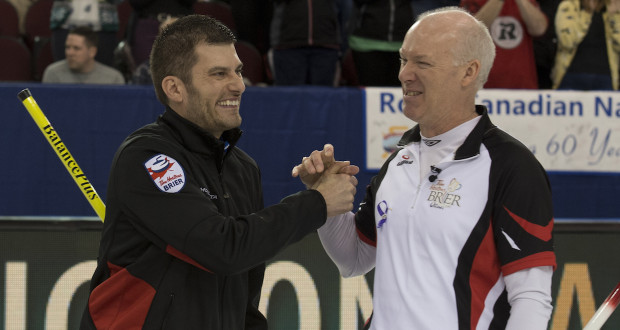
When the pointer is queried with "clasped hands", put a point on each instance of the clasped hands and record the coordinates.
(335, 180)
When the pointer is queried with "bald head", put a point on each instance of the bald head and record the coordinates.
(469, 39)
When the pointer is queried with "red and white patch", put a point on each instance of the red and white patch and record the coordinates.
(166, 173)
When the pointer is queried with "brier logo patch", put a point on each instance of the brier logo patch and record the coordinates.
(166, 173)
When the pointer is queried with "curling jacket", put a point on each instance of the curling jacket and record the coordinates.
(387, 20)
(315, 23)
(186, 236)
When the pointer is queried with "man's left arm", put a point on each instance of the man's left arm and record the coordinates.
(535, 20)
(523, 221)
(529, 296)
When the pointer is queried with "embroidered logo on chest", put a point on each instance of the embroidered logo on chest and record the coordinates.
(405, 161)
(166, 173)
(430, 143)
(207, 193)
(442, 196)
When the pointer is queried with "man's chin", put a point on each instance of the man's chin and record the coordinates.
(411, 112)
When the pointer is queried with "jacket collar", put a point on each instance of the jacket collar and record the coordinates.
(196, 139)
(471, 146)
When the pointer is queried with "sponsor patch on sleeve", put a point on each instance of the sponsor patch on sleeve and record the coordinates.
(166, 173)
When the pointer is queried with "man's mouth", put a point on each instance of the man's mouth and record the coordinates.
(229, 103)
(412, 93)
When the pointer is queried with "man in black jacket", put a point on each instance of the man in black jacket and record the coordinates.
(186, 237)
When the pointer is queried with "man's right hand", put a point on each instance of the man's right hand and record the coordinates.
(312, 167)
(335, 180)
(338, 189)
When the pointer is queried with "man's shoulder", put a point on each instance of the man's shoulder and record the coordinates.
(105, 68)
(506, 149)
(58, 66)
(109, 71)
(151, 138)
(55, 72)
(149, 134)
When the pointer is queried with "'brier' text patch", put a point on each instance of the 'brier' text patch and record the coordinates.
(166, 173)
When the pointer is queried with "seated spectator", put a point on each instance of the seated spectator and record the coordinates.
(588, 45)
(513, 24)
(80, 66)
(378, 30)
(306, 39)
(100, 15)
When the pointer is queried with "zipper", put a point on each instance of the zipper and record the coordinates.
(417, 194)
(225, 193)
(165, 322)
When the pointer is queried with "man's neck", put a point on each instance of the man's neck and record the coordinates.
(87, 68)
(446, 124)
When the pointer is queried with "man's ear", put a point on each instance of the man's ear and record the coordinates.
(471, 73)
(92, 51)
(174, 89)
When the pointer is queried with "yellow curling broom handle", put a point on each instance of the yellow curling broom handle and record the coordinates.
(63, 153)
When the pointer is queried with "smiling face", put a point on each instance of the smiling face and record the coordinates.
(213, 98)
(435, 88)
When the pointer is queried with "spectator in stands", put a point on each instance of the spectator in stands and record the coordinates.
(307, 38)
(588, 33)
(146, 17)
(80, 66)
(100, 15)
(378, 29)
(513, 24)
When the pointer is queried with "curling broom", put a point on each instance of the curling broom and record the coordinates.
(604, 312)
(62, 152)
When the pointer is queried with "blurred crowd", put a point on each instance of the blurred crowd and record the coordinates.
(545, 44)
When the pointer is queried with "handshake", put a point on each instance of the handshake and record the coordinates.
(335, 180)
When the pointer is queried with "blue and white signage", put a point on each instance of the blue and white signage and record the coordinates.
(566, 130)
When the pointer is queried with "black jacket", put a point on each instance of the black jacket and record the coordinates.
(302, 23)
(387, 20)
(185, 235)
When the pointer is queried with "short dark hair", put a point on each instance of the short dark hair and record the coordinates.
(173, 52)
(91, 37)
